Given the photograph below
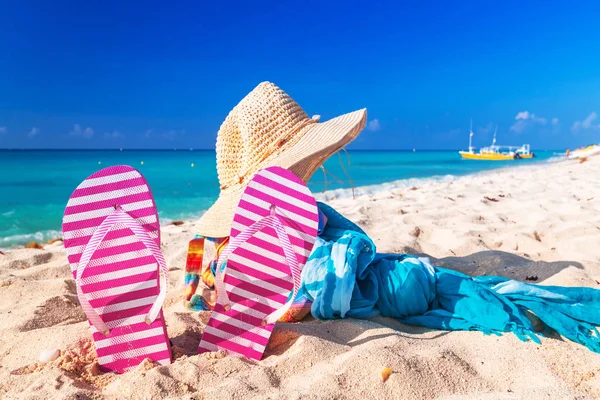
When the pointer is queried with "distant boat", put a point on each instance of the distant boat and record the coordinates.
(414, 150)
(495, 152)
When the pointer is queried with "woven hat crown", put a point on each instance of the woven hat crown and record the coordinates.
(258, 127)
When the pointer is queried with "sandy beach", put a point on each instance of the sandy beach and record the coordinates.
(537, 223)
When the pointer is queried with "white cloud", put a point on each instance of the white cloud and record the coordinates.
(373, 125)
(525, 119)
(519, 126)
(77, 131)
(554, 121)
(587, 123)
(522, 115)
(113, 135)
(33, 132)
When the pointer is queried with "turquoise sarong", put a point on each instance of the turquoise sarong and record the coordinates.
(345, 277)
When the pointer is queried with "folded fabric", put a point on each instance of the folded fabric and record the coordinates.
(345, 277)
(194, 272)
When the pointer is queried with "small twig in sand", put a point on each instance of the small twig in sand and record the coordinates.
(450, 198)
(492, 199)
(537, 236)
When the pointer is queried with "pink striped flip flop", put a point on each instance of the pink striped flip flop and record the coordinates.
(273, 232)
(111, 234)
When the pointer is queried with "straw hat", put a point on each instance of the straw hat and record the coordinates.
(268, 128)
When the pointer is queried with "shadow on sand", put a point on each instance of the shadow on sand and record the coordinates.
(500, 263)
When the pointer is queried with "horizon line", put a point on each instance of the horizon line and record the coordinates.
(8, 149)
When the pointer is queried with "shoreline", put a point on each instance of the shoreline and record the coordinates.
(46, 237)
(336, 194)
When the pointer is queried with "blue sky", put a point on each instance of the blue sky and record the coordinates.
(93, 74)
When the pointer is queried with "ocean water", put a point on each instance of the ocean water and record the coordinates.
(36, 184)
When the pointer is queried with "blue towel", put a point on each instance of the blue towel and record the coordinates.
(345, 277)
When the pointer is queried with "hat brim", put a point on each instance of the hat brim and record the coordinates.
(319, 142)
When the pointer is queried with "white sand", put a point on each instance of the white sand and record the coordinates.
(545, 224)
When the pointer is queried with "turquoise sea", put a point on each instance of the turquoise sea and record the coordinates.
(35, 184)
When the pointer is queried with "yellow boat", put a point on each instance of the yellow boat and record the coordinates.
(496, 155)
(584, 152)
(495, 152)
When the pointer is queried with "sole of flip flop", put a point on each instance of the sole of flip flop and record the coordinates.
(122, 277)
(257, 279)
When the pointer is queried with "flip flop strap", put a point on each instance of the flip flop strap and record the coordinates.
(273, 220)
(119, 216)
